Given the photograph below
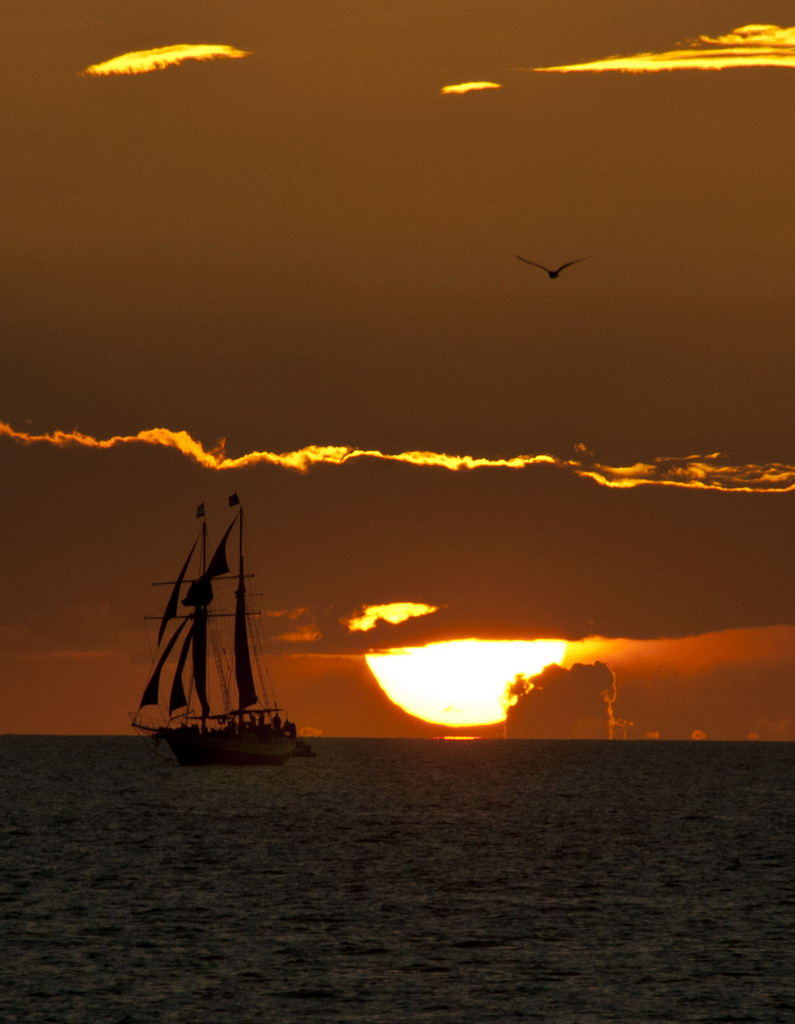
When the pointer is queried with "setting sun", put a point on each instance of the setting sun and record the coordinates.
(460, 682)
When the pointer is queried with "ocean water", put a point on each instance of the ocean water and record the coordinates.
(398, 880)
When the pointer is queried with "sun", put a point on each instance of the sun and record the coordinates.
(460, 682)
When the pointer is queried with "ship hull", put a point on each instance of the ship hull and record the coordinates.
(196, 748)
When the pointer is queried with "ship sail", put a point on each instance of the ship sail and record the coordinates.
(173, 602)
(244, 677)
(199, 648)
(152, 691)
(178, 698)
(199, 597)
(218, 564)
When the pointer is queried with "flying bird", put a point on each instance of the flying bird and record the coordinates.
(552, 273)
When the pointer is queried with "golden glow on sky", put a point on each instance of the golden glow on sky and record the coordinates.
(463, 87)
(751, 46)
(397, 611)
(460, 682)
(140, 62)
(696, 472)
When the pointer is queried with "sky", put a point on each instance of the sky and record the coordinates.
(301, 243)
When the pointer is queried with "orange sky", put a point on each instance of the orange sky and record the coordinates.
(310, 254)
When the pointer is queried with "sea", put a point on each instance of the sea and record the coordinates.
(398, 880)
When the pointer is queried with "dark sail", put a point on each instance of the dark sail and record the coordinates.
(243, 673)
(200, 658)
(178, 699)
(218, 565)
(153, 686)
(199, 593)
(171, 607)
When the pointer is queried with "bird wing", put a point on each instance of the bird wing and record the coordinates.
(570, 264)
(539, 265)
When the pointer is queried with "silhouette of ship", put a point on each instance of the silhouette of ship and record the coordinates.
(244, 726)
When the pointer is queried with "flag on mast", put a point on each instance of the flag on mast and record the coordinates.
(200, 511)
(233, 499)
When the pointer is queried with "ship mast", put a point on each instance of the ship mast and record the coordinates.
(243, 675)
(203, 595)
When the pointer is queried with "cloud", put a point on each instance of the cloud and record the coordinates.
(751, 46)
(463, 87)
(565, 703)
(301, 635)
(694, 472)
(140, 62)
(397, 611)
(736, 680)
(69, 654)
(301, 632)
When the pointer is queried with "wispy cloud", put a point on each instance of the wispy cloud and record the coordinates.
(396, 612)
(463, 87)
(140, 62)
(301, 632)
(750, 46)
(697, 472)
(301, 635)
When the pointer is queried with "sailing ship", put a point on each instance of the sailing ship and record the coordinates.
(226, 716)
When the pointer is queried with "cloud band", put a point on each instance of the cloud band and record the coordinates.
(750, 46)
(695, 472)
